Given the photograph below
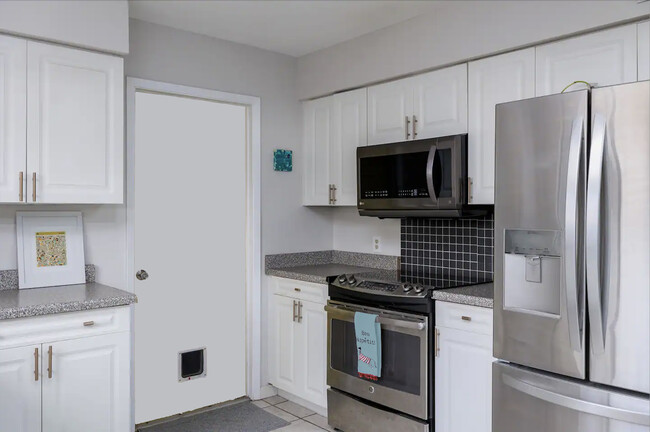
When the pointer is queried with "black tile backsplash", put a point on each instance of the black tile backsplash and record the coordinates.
(448, 246)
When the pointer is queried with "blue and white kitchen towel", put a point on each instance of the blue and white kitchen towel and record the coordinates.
(368, 334)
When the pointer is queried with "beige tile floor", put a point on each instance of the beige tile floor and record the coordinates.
(300, 418)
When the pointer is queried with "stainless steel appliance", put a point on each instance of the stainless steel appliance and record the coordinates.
(572, 258)
(415, 178)
(402, 398)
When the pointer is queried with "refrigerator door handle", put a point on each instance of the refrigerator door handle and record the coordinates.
(594, 186)
(624, 415)
(570, 234)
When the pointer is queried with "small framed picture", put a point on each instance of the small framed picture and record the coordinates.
(50, 249)
(283, 160)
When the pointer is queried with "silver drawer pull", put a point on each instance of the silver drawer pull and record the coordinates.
(89, 323)
(297, 289)
(466, 318)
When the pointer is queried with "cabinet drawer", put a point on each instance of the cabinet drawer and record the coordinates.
(72, 325)
(300, 290)
(464, 317)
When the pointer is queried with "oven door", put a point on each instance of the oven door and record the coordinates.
(404, 349)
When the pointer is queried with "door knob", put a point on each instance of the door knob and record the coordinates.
(142, 275)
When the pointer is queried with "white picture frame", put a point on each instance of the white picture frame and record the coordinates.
(50, 249)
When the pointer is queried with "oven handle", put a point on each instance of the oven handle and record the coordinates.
(399, 323)
(430, 160)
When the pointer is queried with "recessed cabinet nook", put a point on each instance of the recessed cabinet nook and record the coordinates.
(455, 100)
(61, 124)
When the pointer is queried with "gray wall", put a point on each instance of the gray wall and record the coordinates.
(460, 30)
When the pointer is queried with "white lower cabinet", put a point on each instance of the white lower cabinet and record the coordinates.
(66, 385)
(298, 340)
(463, 368)
(20, 389)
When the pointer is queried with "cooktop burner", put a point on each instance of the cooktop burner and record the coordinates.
(401, 286)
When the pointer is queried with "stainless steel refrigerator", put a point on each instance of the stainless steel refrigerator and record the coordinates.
(572, 259)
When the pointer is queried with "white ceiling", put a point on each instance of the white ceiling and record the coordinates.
(293, 27)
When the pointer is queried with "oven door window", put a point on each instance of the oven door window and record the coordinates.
(400, 356)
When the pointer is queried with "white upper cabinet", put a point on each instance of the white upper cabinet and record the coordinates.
(643, 48)
(440, 103)
(603, 58)
(90, 377)
(333, 128)
(74, 125)
(494, 80)
(350, 132)
(13, 99)
(20, 384)
(390, 107)
(424, 106)
(317, 139)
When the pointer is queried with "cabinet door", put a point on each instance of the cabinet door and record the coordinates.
(643, 50)
(440, 103)
(13, 119)
(463, 381)
(312, 352)
(390, 107)
(350, 132)
(282, 343)
(493, 80)
(89, 388)
(20, 390)
(604, 58)
(317, 139)
(75, 134)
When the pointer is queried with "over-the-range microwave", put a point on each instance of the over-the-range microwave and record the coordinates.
(423, 178)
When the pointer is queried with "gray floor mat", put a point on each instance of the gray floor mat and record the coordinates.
(241, 417)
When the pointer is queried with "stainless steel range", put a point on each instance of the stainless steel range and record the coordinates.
(402, 398)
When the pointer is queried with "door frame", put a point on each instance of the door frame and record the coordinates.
(253, 214)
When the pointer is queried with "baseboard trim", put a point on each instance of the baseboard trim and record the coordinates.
(300, 401)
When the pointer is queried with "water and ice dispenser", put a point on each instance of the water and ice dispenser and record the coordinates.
(532, 270)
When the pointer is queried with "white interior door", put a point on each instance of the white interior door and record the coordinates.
(190, 236)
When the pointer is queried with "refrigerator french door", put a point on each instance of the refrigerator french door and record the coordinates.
(572, 253)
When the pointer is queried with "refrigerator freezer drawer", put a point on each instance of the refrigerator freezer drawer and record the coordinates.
(524, 400)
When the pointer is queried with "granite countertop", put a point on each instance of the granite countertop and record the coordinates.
(474, 295)
(21, 303)
(315, 267)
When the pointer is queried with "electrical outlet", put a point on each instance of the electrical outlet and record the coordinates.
(376, 244)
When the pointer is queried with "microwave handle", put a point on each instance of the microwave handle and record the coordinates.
(432, 190)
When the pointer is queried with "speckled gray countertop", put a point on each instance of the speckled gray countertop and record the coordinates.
(315, 267)
(474, 295)
(21, 303)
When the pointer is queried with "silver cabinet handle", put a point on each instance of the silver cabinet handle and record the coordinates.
(299, 311)
(415, 122)
(333, 194)
(20, 186)
(571, 233)
(593, 233)
(569, 402)
(470, 183)
(408, 123)
(36, 364)
(436, 343)
(466, 318)
(49, 362)
(34, 187)
(141, 275)
(294, 311)
(330, 194)
(89, 323)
